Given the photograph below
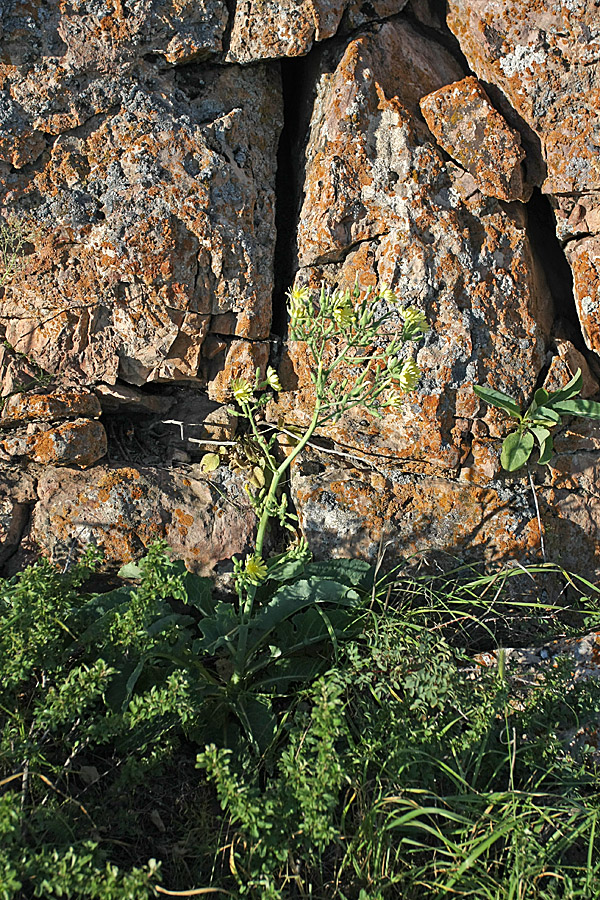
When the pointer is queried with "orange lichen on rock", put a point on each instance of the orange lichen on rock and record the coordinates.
(544, 60)
(123, 509)
(80, 443)
(342, 514)
(467, 126)
(267, 29)
(50, 407)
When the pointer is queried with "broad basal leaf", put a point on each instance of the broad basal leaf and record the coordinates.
(353, 572)
(516, 450)
(579, 407)
(199, 593)
(497, 398)
(290, 599)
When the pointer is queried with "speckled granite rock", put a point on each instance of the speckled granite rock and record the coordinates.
(266, 29)
(151, 222)
(205, 519)
(381, 206)
(543, 57)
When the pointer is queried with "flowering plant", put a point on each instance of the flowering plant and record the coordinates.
(357, 348)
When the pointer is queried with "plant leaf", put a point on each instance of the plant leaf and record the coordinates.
(218, 630)
(280, 674)
(307, 629)
(257, 718)
(284, 569)
(579, 407)
(290, 599)
(516, 450)
(497, 398)
(573, 387)
(210, 462)
(257, 479)
(130, 570)
(545, 415)
(353, 572)
(546, 451)
(199, 593)
(544, 439)
(120, 689)
(541, 433)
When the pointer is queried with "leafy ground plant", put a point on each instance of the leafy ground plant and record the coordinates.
(536, 423)
(394, 773)
(404, 776)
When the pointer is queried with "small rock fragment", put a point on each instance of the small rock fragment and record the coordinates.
(79, 443)
(564, 366)
(472, 132)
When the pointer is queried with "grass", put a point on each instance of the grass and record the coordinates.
(393, 772)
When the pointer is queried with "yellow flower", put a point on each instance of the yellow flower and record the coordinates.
(343, 314)
(272, 379)
(255, 569)
(396, 401)
(415, 323)
(242, 390)
(297, 299)
(386, 293)
(408, 376)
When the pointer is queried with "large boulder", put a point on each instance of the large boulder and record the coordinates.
(542, 57)
(383, 206)
(205, 519)
(540, 61)
(146, 191)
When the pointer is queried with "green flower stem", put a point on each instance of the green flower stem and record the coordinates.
(279, 473)
(240, 662)
(259, 438)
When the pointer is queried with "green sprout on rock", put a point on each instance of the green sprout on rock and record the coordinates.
(535, 424)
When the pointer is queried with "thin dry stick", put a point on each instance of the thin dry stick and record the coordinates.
(193, 893)
(539, 518)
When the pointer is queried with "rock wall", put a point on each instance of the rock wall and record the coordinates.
(176, 166)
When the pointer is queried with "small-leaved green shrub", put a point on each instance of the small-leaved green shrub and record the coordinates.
(393, 771)
(404, 776)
